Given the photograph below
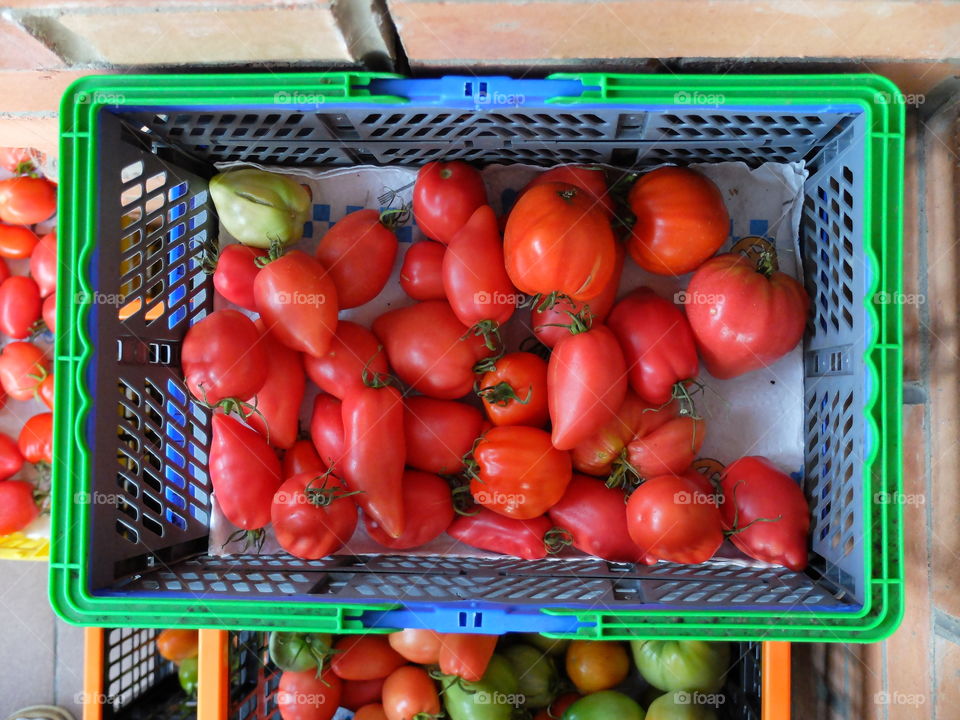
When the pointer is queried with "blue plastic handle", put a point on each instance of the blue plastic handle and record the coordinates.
(471, 618)
(476, 92)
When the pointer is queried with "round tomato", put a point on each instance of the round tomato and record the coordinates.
(445, 196)
(475, 282)
(17, 506)
(466, 655)
(674, 519)
(244, 472)
(222, 357)
(299, 651)
(744, 316)
(558, 240)
(587, 382)
(373, 711)
(312, 516)
(302, 457)
(235, 274)
(43, 264)
(421, 275)
(353, 350)
(550, 324)
(537, 675)
(492, 531)
(688, 665)
(10, 458)
(595, 516)
(45, 391)
(515, 391)
(278, 401)
(23, 367)
(16, 241)
(175, 644)
(27, 200)
(49, 312)
(364, 657)
(305, 696)
(36, 439)
(439, 433)
(297, 299)
(518, 472)
(20, 306)
(417, 646)
(428, 507)
(430, 349)
(326, 430)
(681, 220)
(20, 161)
(358, 693)
(410, 694)
(603, 705)
(358, 252)
(678, 706)
(594, 665)
(592, 180)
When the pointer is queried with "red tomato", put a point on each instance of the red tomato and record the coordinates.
(20, 306)
(439, 433)
(681, 220)
(20, 161)
(353, 350)
(364, 657)
(767, 512)
(373, 711)
(671, 518)
(466, 655)
(474, 279)
(176, 644)
(744, 317)
(4, 271)
(519, 473)
(594, 514)
(43, 264)
(558, 240)
(597, 454)
(27, 200)
(358, 252)
(592, 180)
(547, 325)
(417, 646)
(515, 391)
(297, 300)
(410, 694)
(421, 275)
(445, 196)
(17, 507)
(235, 274)
(46, 391)
(278, 401)
(326, 430)
(305, 696)
(17, 242)
(312, 517)
(668, 449)
(587, 382)
(657, 344)
(49, 312)
(223, 357)
(302, 457)
(23, 366)
(374, 454)
(428, 506)
(358, 693)
(10, 458)
(488, 530)
(36, 439)
(244, 471)
(430, 349)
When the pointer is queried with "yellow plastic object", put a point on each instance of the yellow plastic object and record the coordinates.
(19, 547)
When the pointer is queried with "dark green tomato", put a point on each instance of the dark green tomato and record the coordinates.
(537, 675)
(551, 646)
(604, 705)
(494, 697)
(299, 651)
(187, 674)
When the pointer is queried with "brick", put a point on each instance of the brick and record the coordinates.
(947, 656)
(436, 31)
(42, 133)
(36, 92)
(19, 50)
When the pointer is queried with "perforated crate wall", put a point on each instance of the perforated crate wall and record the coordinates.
(138, 684)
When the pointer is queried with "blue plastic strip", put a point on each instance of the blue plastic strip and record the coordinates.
(474, 92)
(480, 618)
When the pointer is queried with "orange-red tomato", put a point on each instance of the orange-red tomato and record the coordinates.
(46, 391)
(515, 391)
(358, 252)
(27, 200)
(417, 646)
(364, 657)
(17, 242)
(594, 665)
(357, 693)
(22, 368)
(591, 180)
(36, 439)
(373, 711)
(43, 264)
(466, 655)
(175, 644)
(48, 311)
(409, 694)
(306, 696)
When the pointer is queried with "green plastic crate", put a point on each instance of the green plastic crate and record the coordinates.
(108, 569)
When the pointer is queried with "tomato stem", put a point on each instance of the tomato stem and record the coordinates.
(734, 529)
(502, 394)
(684, 396)
(490, 331)
(556, 539)
(624, 475)
(761, 252)
(324, 496)
(374, 379)
(254, 538)
(211, 256)
(580, 322)
(392, 218)
(276, 251)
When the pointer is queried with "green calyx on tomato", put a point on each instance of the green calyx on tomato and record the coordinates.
(688, 665)
(503, 394)
(250, 539)
(300, 651)
(259, 207)
(323, 495)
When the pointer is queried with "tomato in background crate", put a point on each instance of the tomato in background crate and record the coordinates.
(417, 646)
(306, 696)
(409, 693)
(222, 357)
(20, 306)
(23, 366)
(176, 644)
(592, 180)
(17, 506)
(466, 655)
(594, 665)
(45, 391)
(43, 264)
(604, 704)
(299, 651)
(16, 241)
(428, 510)
(277, 403)
(235, 274)
(36, 439)
(358, 252)
(498, 687)
(681, 220)
(596, 517)
(445, 195)
(537, 676)
(514, 392)
(357, 693)
(421, 275)
(487, 530)
(27, 200)
(313, 515)
(353, 349)
(682, 665)
(326, 429)
(364, 657)
(439, 433)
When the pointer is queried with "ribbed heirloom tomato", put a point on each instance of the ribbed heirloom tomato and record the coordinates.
(591, 180)
(312, 515)
(596, 517)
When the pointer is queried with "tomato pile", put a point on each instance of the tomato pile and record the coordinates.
(421, 674)
(587, 436)
(182, 647)
(28, 279)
